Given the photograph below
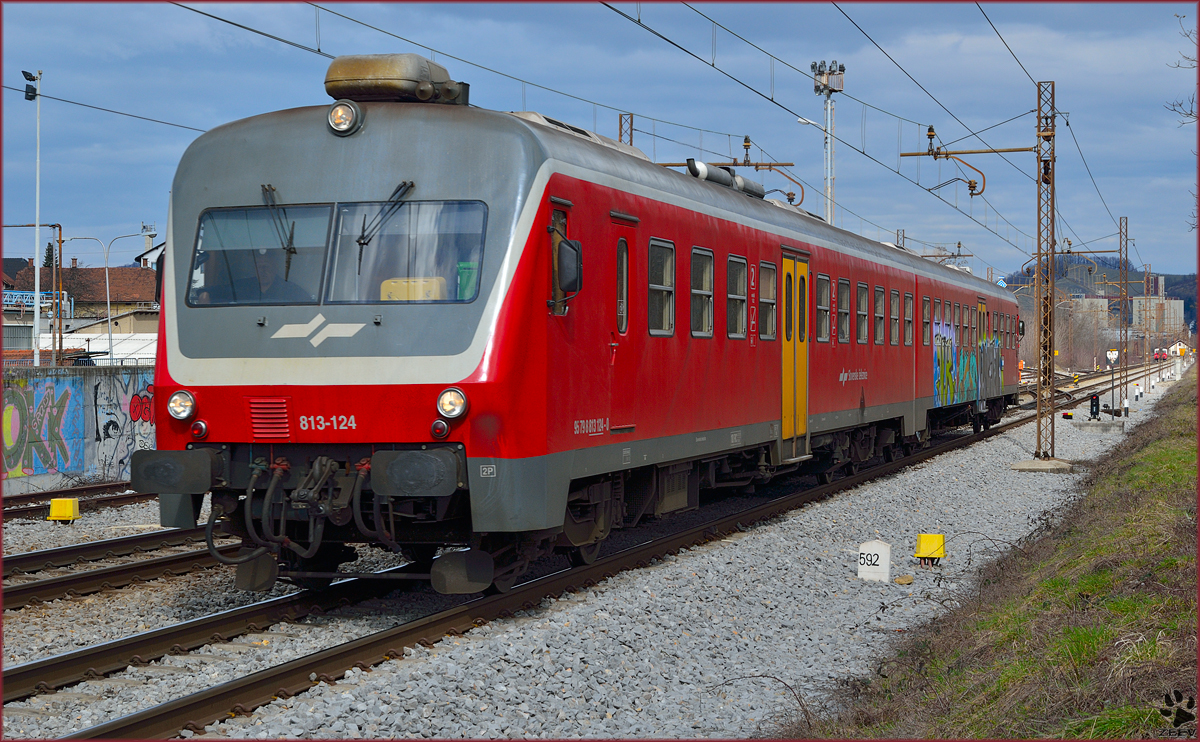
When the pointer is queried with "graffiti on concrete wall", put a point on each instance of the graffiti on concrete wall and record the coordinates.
(119, 423)
(77, 423)
(43, 427)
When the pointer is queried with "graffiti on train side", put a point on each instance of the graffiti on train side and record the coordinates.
(962, 373)
(43, 427)
(82, 424)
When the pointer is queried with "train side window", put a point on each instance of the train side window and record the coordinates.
(787, 307)
(735, 301)
(622, 286)
(908, 319)
(702, 293)
(862, 308)
(766, 301)
(843, 310)
(946, 318)
(974, 326)
(937, 311)
(895, 317)
(879, 316)
(1008, 331)
(958, 333)
(925, 320)
(660, 303)
(822, 318)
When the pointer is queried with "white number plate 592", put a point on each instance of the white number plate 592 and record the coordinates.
(333, 422)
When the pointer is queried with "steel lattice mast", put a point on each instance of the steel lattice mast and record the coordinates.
(1044, 273)
(1124, 318)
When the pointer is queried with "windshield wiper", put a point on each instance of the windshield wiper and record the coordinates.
(369, 231)
(279, 221)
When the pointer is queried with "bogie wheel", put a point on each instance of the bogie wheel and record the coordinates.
(852, 468)
(581, 556)
(502, 585)
(976, 425)
(825, 477)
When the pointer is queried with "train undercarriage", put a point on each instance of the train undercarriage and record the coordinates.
(299, 512)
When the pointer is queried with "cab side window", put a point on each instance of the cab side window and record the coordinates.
(660, 303)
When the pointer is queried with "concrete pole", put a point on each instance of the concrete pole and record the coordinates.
(37, 235)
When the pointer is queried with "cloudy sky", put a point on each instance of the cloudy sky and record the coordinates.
(104, 174)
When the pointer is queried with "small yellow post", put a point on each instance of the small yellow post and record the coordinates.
(930, 548)
(64, 509)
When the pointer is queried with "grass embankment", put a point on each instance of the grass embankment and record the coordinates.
(1079, 632)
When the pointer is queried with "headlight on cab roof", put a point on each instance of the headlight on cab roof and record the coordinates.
(181, 405)
(452, 403)
(345, 117)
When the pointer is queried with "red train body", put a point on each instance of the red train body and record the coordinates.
(712, 339)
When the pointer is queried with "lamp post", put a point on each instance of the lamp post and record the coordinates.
(827, 81)
(34, 93)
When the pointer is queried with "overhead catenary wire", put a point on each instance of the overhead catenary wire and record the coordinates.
(1066, 119)
(1006, 46)
(514, 77)
(951, 113)
(108, 110)
(794, 113)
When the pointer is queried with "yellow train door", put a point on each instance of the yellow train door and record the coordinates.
(794, 290)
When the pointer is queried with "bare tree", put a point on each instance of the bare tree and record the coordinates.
(1185, 108)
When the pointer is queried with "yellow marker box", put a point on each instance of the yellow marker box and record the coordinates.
(930, 546)
(64, 509)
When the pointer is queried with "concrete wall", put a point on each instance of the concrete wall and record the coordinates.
(74, 425)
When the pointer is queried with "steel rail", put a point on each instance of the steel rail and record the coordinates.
(91, 503)
(82, 491)
(95, 580)
(90, 551)
(245, 694)
(51, 673)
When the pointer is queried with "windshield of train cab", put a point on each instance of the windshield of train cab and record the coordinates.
(351, 253)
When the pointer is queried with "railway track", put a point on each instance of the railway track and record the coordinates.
(248, 693)
(91, 551)
(29, 498)
(94, 580)
(85, 504)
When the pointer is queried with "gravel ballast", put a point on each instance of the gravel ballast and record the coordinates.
(708, 643)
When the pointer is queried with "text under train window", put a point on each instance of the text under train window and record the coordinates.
(766, 301)
(702, 293)
(660, 304)
(735, 299)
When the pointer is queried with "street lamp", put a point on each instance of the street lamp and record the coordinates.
(34, 93)
(827, 81)
(107, 293)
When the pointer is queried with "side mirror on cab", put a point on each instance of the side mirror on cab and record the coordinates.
(1021, 328)
(570, 266)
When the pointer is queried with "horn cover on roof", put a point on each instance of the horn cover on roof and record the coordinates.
(393, 77)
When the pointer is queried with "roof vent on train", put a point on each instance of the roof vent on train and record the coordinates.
(725, 176)
(393, 77)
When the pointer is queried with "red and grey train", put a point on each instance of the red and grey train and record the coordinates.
(476, 337)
